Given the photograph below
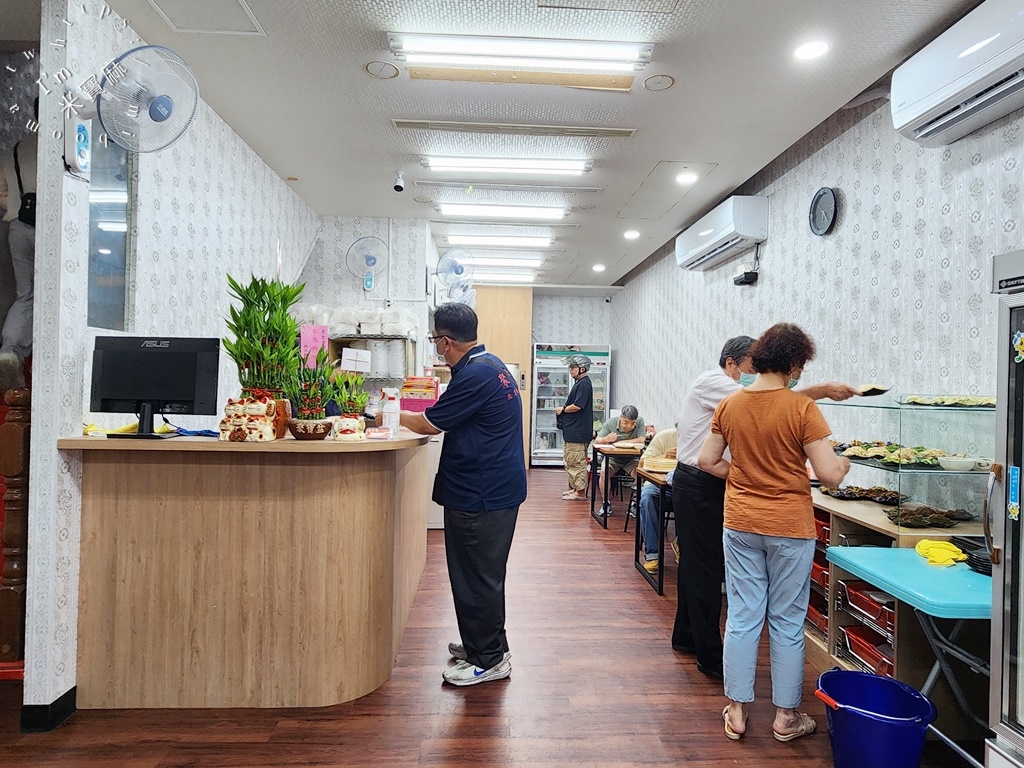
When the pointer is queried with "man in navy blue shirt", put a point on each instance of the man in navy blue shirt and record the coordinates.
(576, 420)
(481, 481)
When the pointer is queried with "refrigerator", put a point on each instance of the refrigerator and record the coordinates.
(551, 385)
(1004, 532)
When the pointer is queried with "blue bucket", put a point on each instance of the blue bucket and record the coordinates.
(874, 720)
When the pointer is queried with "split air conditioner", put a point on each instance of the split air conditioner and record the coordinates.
(970, 75)
(734, 226)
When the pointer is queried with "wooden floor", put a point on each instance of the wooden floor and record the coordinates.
(594, 683)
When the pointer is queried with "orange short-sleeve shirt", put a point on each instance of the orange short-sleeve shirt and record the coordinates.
(768, 490)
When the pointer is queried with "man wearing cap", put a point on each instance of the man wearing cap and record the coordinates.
(576, 420)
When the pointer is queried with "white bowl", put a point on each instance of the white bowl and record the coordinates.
(956, 463)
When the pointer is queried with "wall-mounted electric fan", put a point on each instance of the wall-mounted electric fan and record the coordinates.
(453, 265)
(462, 292)
(367, 258)
(148, 99)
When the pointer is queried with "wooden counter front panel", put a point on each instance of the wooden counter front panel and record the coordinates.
(245, 580)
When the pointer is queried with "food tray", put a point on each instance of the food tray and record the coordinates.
(864, 600)
(819, 575)
(869, 648)
(822, 530)
(817, 616)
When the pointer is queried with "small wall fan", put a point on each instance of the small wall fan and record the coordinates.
(148, 99)
(367, 257)
(462, 292)
(454, 265)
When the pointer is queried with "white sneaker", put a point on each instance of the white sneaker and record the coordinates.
(464, 673)
(459, 652)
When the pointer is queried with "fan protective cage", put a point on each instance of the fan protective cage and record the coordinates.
(367, 254)
(149, 99)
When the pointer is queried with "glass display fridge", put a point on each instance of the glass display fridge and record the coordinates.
(551, 384)
(1006, 691)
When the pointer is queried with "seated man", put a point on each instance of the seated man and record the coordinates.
(627, 427)
(662, 446)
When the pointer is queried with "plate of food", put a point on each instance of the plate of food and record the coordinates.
(912, 515)
(962, 401)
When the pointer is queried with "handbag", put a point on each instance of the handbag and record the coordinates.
(27, 211)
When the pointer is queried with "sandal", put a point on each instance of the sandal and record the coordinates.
(729, 732)
(807, 727)
(571, 496)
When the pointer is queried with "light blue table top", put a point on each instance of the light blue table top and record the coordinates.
(955, 592)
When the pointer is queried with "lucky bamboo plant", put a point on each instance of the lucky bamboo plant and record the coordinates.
(265, 346)
(311, 389)
(352, 397)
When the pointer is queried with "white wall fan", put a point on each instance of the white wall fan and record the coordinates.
(367, 258)
(146, 100)
(462, 292)
(453, 265)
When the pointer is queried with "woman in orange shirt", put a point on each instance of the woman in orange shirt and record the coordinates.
(770, 433)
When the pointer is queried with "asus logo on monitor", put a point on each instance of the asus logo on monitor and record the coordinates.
(153, 344)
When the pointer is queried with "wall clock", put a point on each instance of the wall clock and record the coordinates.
(822, 216)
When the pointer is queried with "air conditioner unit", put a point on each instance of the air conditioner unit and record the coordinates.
(734, 226)
(970, 75)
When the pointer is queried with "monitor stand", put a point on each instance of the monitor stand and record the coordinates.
(145, 427)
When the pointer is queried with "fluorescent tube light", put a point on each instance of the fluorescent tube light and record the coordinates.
(108, 197)
(508, 165)
(598, 267)
(104, 251)
(631, 234)
(519, 53)
(503, 277)
(112, 226)
(502, 211)
(495, 261)
(497, 241)
(687, 177)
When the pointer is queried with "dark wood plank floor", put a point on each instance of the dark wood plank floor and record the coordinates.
(594, 683)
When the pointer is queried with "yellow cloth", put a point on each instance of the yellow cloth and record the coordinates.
(92, 429)
(939, 552)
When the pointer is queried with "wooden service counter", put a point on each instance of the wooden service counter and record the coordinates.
(217, 574)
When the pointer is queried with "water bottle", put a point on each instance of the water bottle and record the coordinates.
(392, 414)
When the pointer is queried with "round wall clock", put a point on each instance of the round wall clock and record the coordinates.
(822, 216)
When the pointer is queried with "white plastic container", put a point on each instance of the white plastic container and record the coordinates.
(391, 411)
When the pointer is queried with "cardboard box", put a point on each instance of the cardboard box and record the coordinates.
(357, 360)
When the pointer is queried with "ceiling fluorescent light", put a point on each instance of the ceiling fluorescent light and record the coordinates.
(500, 241)
(507, 165)
(502, 211)
(503, 277)
(519, 53)
(108, 196)
(492, 261)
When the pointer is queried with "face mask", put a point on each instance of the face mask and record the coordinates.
(746, 379)
(792, 383)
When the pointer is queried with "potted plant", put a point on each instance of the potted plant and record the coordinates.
(265, 344)
(311, 389)
(352, 397)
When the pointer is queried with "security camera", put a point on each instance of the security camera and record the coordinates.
(399, 181)
(607, 299)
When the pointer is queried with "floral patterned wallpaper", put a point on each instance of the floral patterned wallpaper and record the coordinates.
(897, 294)
(202, 213)
(570, 319)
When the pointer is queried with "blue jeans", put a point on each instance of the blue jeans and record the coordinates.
(649, 495)
(766, 575)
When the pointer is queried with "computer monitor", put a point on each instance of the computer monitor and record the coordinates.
(146, 375)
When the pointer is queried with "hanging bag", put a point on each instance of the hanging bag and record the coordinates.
(27, 211)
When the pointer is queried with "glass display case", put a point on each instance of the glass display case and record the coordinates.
(551, 385)
(924, 460)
